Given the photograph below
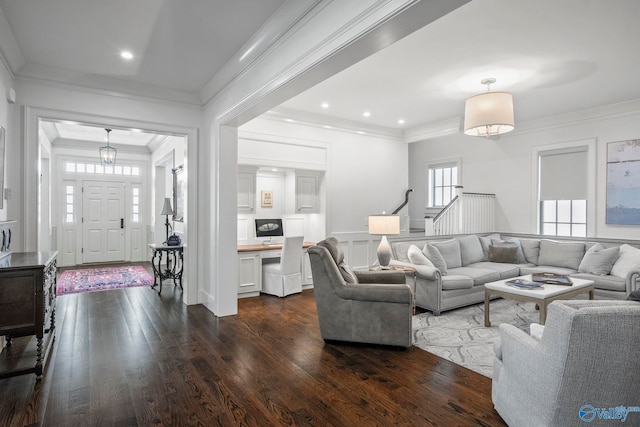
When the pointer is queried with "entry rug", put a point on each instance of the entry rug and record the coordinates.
(460, 336)
(102, 279)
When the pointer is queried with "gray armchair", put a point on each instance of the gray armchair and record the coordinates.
(588, 358)
(352, 307)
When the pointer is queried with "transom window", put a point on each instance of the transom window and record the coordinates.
(98, 169)
(443, 180)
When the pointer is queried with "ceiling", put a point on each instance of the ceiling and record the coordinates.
(554, 56)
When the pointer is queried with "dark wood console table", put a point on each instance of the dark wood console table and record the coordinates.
(173, 257)
(27, 311)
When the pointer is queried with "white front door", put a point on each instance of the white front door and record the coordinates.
(102, 221)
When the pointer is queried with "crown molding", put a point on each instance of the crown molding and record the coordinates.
(97, 85)
(433, 130)
(332, 123)
(578, 117)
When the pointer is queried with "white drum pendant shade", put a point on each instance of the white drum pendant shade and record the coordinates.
(488, 114)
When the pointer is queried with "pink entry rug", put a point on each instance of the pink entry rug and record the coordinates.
(102, 279)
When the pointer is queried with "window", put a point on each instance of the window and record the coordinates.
(135, 204)
(564, 217)
(443, 180)
(97, 168)
(563, 192)
(68, 206)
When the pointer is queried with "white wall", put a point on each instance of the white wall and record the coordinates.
(506, 166)
(12, 149)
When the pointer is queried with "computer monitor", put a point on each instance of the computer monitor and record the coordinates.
(269, 227)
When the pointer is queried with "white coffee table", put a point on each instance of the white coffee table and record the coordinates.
(541, 296)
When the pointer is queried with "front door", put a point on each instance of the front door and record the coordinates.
(102, 221)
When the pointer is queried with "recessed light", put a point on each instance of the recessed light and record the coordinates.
(125, 54)
(401, 121)
(274, 170)
(327, 127)
(366, 114)
(325, 105)
(361, 132)
(289, 120)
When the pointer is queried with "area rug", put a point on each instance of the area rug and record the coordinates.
(460, 336)
(102, 279)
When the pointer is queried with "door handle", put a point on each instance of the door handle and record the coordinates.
(121, 222)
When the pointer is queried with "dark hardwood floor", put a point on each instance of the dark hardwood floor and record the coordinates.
(130, 357)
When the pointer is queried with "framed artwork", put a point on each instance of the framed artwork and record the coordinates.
(266, 198)
(179, 192)
(2, 143)
(623, 182)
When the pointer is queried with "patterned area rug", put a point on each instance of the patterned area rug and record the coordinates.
(460, 336)
(102, 279)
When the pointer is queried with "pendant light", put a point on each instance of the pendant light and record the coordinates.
(108, 153)
(488, 114)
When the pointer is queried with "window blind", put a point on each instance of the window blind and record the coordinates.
(563, 174)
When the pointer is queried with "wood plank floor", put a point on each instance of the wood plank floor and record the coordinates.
(130, 357)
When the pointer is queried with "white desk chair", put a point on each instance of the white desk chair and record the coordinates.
(284, 278)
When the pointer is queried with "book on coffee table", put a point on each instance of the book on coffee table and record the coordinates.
(524, 284)
(552, 278)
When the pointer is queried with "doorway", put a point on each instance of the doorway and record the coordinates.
(103, 234)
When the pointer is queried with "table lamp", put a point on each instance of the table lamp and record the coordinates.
(384, 225)
(167, 210)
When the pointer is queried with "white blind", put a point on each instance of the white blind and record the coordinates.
(563, 174)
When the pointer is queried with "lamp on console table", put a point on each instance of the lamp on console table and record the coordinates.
(384, 225)
(167, 210)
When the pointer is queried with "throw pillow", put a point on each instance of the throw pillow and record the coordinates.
(599, 260)
(628, 259)
(531, 249)
(521, 258)
(503, 253)
(470, 249)
(436, 258)
(450, 251)
(347, 273)
(634, 296)
(485, 241)
(416, 256)
(561, 254)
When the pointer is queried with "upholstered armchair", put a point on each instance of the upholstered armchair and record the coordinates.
(364, 307)
(587, 359)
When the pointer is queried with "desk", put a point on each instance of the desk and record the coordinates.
(174, 264)
(250, 260)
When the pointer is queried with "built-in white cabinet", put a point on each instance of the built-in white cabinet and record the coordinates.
(249, 273)
(307, 188)
(246, 190)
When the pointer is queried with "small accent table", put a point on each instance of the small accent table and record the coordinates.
(173, 257)
(407, 270)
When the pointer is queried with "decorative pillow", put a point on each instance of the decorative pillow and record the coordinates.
(521, 258)
(470, 249)
(599, 260)
(531, 249)
(416, 256)
(485, 241)
(436, 258)
(561, 254)
(629, 257)
(634, 296)
(450, 251)
(503, 253)
(347, 273)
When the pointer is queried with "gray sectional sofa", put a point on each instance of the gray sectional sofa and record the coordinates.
(451, 270)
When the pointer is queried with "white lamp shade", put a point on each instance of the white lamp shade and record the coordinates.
(384, 224)
(488, 114)
(166, 208)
